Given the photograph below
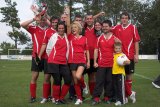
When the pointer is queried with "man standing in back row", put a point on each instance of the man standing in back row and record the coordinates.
(129, 37)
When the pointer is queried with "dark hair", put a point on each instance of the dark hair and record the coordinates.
(117, 44)
(62, 23)
(98, 33)
(125, 14)
(108, 22)
(78, 16)
(54, 18)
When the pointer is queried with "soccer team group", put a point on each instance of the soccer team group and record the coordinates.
(68, 51)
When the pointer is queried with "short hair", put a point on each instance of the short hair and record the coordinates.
(78, 16)
(117, 44)
(78, 25)
(62, 23)
(125, 14)
(54, 18)
(108, 22)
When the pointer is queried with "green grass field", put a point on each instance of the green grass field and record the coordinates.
(15, 77)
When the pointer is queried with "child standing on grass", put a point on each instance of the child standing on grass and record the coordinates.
(118, 72)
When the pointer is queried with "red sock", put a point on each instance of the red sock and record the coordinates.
(78, 91)
(46, 89)
(128, 87)
(83, 85)
(64, 91)
(33, 90)
(91, 87)
(56, 91)
(97, 99)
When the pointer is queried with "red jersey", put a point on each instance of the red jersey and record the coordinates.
(78, 47)
(58, 53)
(37, 38)
(48, 33)
(91, 39)
(128, 35)
(105, 51)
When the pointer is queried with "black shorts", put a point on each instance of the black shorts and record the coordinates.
(40, 67)
(73, 66)
(57, 68)
(129, 69)
(91, 69)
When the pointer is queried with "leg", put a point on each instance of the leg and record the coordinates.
(108, 84)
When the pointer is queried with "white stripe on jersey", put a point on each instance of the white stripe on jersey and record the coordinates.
(72, 49)
(129, 46)
(135, 31)
(54, 52)
(36, 42)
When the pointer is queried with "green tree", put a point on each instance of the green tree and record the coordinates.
(5, 46)
(11, 19)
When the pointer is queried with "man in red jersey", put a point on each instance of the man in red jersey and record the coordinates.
(47, 85)
(104, 53)
(129, 36)
(91, 39)
(37, 33)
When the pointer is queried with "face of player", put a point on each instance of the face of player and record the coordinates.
(97, 26)
(117, 49)
(75, 29)
(124, 20)
(63, 17)
(42, 22)
(78, 19)
(61, 30)
(89, 20)
(54, 23)
(106, 28)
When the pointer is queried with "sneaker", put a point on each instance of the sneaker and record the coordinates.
(78, 102)
(118, 103)
(63, 101)
(133, 97)
(85, 90)
(32, 100)
(57, 102)
(106, 100)
(155, 85)
(94, 102)
(126, 100)
(53, 100)
(49, 98)
(44, 100)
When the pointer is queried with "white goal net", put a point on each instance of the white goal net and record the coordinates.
(19, 54)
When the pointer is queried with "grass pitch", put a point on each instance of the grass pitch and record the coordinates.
(15, 78)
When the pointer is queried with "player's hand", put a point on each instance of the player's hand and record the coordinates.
(102, 13)
(88, 65)
(136, 58)
(117, 40)
(95, 65)
(37, 59)
(127, 62)
(37, 17)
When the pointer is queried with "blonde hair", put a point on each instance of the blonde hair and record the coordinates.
(78, 25)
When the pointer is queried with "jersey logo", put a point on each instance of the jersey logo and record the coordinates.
(102, 41)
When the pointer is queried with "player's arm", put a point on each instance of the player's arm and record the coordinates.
(98, 15)
(68, 23)
(95, 57)
(136, 52)
(43, 48)
(88, 58)
(28, 22)
(127, 62)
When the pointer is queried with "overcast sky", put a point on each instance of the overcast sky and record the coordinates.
(24, 13)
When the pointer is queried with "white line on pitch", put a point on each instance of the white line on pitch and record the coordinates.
(142, 76)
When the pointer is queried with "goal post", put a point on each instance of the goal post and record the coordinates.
(19, 54)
